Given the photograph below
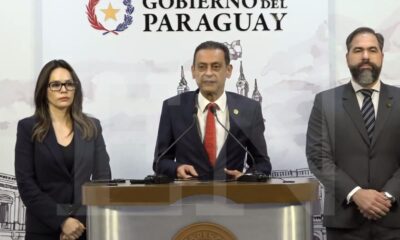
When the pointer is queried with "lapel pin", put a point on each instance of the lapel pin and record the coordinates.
(235, 111)
(388, 104)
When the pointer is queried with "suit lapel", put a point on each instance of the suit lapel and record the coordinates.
(384, 109)
(196, 136)
(80, 146)
(233, 128)
(195, 132)
(234, 115)
(51, 143)
(352, 108)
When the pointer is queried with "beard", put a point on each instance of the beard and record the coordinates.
(365, 77)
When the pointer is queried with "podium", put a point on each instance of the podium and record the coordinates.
(194, 210)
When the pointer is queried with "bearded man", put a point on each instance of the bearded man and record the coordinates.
(353, 146)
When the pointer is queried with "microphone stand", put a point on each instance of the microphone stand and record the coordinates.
(254, 175)
(162, 178)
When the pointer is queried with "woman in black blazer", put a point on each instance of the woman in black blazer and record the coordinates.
(58, 149)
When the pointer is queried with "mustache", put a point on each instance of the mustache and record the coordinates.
(372, 65)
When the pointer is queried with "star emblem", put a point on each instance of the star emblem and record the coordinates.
(110, 12)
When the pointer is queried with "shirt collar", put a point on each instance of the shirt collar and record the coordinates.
(203, 102)
(357, 87)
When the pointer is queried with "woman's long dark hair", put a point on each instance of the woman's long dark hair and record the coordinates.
(42, 114)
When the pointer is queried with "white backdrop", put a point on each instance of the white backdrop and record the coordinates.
(125, 77)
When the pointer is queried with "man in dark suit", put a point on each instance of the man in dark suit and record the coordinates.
(353, 146)
(207, 151)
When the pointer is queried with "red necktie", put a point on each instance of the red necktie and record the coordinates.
(210, 136)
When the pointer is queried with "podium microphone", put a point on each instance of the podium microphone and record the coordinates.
(161, 178)
(254, 175)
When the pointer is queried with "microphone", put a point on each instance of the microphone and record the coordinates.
(161, 178)
(254, 176)
(109, 182)
(284, 180)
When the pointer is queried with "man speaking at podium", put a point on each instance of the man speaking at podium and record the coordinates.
(206, 150)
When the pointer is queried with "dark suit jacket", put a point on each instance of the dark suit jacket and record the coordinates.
(341, 157)
(49, 191)
(247, 125)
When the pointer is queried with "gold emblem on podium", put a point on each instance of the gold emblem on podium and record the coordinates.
(204, 231)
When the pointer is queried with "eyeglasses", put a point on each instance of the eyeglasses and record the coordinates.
(57, 85)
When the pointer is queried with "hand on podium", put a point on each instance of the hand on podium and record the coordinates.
(235, 174)
(186, 171)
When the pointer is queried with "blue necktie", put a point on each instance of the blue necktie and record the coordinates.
(368, 112)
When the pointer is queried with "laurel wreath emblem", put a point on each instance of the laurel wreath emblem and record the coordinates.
(128, 19)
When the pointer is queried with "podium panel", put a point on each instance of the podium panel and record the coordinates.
(205, 210)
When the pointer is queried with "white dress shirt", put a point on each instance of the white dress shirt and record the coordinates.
(223, 116)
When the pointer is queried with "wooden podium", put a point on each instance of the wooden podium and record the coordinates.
(192, 210)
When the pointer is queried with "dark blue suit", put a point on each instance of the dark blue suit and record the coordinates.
(49, 191)
(247, 125)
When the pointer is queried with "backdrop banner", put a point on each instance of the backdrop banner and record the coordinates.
(130, 55)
